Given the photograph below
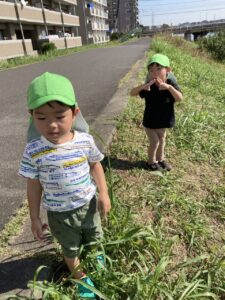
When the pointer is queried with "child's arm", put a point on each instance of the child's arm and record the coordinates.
(103, 196)
(135, 91)
(34, 192)
(177, 95)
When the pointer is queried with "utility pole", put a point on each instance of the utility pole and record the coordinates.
(63, 28)
(21, 28)
(44, 18)
(152, 18)
(117, 15)
(85, 22)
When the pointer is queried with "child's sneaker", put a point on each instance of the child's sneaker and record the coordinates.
(83, 291)
(164, 165)
(153, 167)
(101, 261)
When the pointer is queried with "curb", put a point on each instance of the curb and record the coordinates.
(105, 124)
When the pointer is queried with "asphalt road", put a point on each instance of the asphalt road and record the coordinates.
(95, 74)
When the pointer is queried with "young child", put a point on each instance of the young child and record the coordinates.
(60, 164)
(160, 93)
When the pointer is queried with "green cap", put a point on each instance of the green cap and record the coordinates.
(49, 87)
(52, 87)
(160, 59)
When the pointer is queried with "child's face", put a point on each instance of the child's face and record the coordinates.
(157, 71)
(54, 121)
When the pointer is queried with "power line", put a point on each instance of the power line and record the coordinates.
(163, 4)
(180, 12)
(175, 2)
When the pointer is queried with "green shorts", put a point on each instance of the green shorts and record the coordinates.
(80, 226)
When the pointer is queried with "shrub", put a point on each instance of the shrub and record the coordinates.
(214, 44)
(115, 36)
(47, 47)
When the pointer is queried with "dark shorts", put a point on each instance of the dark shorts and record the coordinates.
(81, 226)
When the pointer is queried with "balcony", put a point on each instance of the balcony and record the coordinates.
(72, 2)
(98, 13)
(71, 20)
(34, 15)
(61, 43)
(99, 26)
(7, 11)
(29, 14)
(102, 2)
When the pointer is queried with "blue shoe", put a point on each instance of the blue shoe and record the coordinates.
(83, 291)
(101, 261)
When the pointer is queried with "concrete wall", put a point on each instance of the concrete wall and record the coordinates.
(14, 48)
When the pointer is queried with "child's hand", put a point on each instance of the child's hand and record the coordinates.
(104, 204)
(164, 86)
(37, 229)
(147, 87)
(161, 84)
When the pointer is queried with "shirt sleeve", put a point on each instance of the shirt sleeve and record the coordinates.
(171, 79)
(142, 93)
(28, 168)
(94, 155)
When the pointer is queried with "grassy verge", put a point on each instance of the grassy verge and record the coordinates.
(13, 228)
(183, 211)
(164, 238)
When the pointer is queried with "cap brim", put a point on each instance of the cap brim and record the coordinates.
(46, 99)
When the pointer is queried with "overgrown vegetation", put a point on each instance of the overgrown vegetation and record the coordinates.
(214, 44)
(47, 47)
(116, 36)
(122, 37)
(164, 238)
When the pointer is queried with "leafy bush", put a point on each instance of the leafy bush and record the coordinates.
(47, 47)
(115, 36)
(214, 44)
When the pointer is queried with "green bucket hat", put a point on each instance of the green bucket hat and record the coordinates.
(160, 59)
(52, 87)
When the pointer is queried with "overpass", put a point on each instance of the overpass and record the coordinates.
(199, 29)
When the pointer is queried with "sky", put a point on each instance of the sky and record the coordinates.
(174, 12)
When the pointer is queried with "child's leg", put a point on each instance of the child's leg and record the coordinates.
(154, 143)
(91, 226)
(161, 133)
(83, 291)
(72, 264)
(66, 228)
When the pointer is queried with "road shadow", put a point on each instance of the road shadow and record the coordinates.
(16, 270)
(121, 164)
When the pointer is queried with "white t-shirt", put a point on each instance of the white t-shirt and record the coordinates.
(63, 170)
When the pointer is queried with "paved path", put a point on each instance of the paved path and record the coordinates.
(95, 74)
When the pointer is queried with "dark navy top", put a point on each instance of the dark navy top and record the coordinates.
(159, 106)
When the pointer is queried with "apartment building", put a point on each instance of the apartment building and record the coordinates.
(123, 15)
(25, 25)
(94, 27)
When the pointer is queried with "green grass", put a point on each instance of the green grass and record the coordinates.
(184, 209)
(164, 238)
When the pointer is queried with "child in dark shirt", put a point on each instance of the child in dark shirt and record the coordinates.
(160, 92)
